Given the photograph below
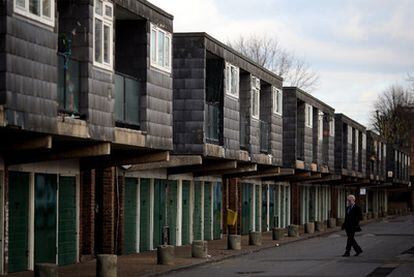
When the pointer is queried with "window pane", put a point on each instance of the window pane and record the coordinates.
(98, 7)
(279, 102)
(72, 86)
(107, 45)
(119, 98)
(61, 82)
(47, 9)
(98, 40)
(167, 52)
(234, 80)
(160, 48)
(21, 3)
(131, 101)
(108, 11)
(34, 7)
(153, 46)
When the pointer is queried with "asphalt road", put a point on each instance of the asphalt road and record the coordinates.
(388, 251)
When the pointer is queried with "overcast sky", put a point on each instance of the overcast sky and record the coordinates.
(358, 47)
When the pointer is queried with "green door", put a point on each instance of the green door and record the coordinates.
(18, 220)
(67, 221)
(172, 211)
(246, 208)
(197, 220)
(185, 223)
(159, 210)
(217, 210)
(258, 218)
(207, 211)
(272, 219)
(264, 208)
(45, 218)
(144, 212)
(130, 215)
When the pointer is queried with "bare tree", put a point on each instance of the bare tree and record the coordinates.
(390, 117)
(267, 52)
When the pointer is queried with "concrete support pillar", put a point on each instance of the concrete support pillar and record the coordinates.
(278, 233)
(46, 270)
(319, 226)
(331, 222)
(165, 255)
(293, 230)
(255, 238)
(310, 227)
(234, 242)
(106, 265)
(199, 249)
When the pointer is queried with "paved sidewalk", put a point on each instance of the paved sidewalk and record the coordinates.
(145, 264)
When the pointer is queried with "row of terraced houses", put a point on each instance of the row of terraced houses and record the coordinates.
(118, 135)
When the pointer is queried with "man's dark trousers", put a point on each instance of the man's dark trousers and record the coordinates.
(351, 225)
(351, 242)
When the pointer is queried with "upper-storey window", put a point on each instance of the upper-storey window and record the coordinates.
(349, 134)
(332, 127)
(39, 10)
(356, 141)
(308, 115)
(160, 49)
(277, 101)
(232, 78)
(364, 141)
(103, 34)
(320, 126)
(255, 97)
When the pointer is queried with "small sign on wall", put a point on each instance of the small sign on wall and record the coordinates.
(390, 173)
(362, 191)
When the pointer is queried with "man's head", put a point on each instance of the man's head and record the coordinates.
(350, 200)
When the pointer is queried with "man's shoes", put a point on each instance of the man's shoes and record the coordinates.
(358, 252)
(346, 254)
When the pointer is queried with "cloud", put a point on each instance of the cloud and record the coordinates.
(358, 47)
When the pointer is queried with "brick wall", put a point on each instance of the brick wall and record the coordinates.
(87, 213)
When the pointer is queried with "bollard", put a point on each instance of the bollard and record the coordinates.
(255, 238)
(46, 270)
(165, 255)
(364, 217)
(199, 249)
(234, 242)
(319, 226)
(310, 227)
(331, 222)
(278, 233)
(293, 231)
(375, 215)
(340, 221)
(106, 265)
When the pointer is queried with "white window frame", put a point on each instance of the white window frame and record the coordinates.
(308, 115)
(50, 21)
(156, 64)
(332, 127)
(277, 101)
(255, 94)
(320, 125)
(232, 91)
(108, 22)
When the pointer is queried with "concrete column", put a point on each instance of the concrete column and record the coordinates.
(46, 270)
(106, 265)
(165, 255)
(199, 249)
(255, 238)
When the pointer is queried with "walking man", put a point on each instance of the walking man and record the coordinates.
(351, 225)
